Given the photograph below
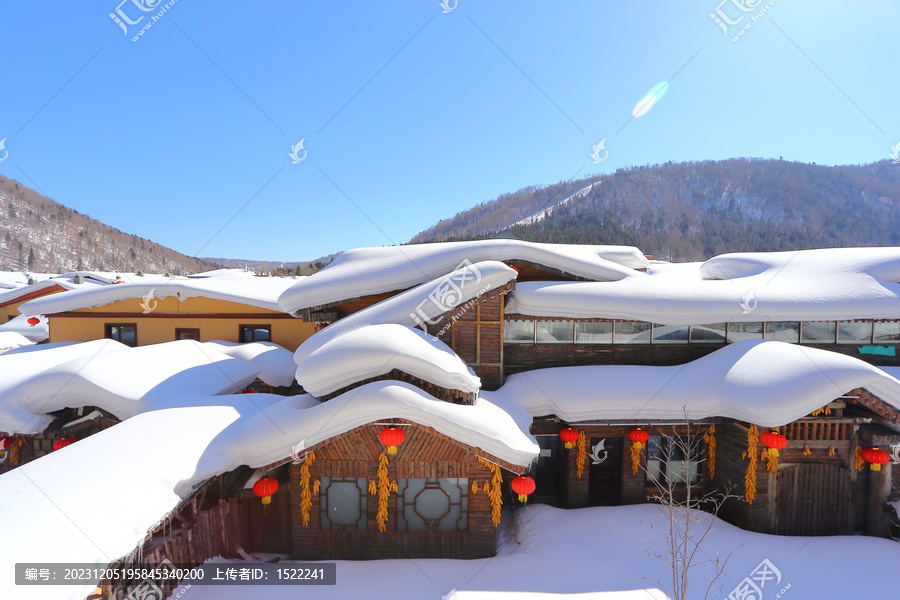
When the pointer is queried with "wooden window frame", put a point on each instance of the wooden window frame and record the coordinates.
(107, 335)
(241, 328)
(179, 330)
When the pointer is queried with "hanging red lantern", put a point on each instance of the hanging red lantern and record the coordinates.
(569, 436)
(63, 442)
(392, 437)
(774, 441)
(638, 435)
(32, 321)
(523, 486)
(875, 457)
(249, 391)
(265, 487)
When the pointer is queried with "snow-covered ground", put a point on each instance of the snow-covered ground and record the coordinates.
(550, 550)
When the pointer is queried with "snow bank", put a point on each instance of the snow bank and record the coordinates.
(20, 325)
(232, 286)
(121, 380)
(806, 285)
(764, 382)
(10, 340)
(409, 351)
(374, 350)
(367, 271)
(275, 364)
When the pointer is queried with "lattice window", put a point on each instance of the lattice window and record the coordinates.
(342, 501)
(433, 504)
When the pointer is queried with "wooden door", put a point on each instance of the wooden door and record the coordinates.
(605, 471)
(813, 499)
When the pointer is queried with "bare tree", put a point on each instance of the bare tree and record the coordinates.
(689, 513)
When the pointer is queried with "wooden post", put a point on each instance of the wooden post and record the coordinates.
(878, 520)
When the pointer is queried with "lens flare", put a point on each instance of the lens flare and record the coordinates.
(653, 96)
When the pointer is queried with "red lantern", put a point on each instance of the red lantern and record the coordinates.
(5, 442)
(638, 435)
(392, 437)
(569, 436)
(523, 486)
(774, 441)
(265, 487)
(63, 442)
(32, 321)
(875, 457)
(249, 391)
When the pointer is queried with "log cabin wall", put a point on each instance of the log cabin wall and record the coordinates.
(423, 454)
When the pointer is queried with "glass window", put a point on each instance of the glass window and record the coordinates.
(786, 331)
(125, 333)
(670, 334)
(708, 334)
(887, 332)
(854, 332)
(744, 331)
(255, 333)
(342, 502)
(632, 332)
(555, 332)
(594, 332)
(432, 504)
(518, 332)
(666, 460)
(818, 332)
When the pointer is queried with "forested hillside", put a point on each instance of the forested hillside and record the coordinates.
(691, 211)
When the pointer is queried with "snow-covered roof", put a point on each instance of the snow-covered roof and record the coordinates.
(10, 340)
(126, 381)
(230, 285)
(805, 285)
(34, 333)
(763, 382)
(380, 338)
(368, 271)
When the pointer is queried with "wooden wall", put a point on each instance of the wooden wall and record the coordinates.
(424, 453)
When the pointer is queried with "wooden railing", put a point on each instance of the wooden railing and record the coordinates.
(819, 429)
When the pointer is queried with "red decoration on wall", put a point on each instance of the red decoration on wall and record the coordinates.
(63, 442)
(523, 486)
(638, 435)
(774, 441)
(392, 437)
(569, 436)
(265, 487)
(875, 457)
(32, 321)
(249, 391)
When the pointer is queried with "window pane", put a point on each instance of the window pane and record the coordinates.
(432, 504)
(632, 332)
(854, 333)
(518, 332)
(708, 334)
(683, 471)
(555, 332)
(744, 331)
(788, 331)
(654, 459)
(591, 332)
(887, 332)
(343, 503)
(670, 334)
(818, 332)
(261, 335)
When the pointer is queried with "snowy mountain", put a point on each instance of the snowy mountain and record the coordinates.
(39, 234)
(691, 211)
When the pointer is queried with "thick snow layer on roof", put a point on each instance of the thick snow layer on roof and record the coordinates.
(233, 286)
(368, 271)
(121, 380)
(35, 333)
(376, 349)
(276, 365)
(763, 382)
(806, 285)
(10, 340)
(406, 352)
(266, 434)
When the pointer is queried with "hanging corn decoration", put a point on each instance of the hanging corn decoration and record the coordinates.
(14, 451)
(487, 487)
(710, 439)
(580, 454)
(384, 492)
(750, 477)
(820, 411)
(858, 462)
(474, 487)
(305, 496)
(638, 439)
(316, 486)
(373, 488)
(831, 451)
(806, 451)
(496, 492)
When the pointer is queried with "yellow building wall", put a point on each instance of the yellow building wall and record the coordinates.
(216, 320)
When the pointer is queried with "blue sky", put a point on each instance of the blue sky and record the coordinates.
(410, 114)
